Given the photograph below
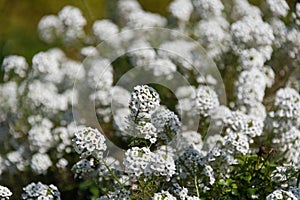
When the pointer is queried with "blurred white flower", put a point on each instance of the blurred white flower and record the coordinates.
(14, 63)
(40, 163)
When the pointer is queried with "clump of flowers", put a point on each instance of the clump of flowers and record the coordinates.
(5, 193)
(220, 117)
(40, 191)
(89, 142)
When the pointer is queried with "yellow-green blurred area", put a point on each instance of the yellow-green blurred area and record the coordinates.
(19, 20)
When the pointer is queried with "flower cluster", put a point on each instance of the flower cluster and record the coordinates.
(166, 123)
(281, 194)
(142, 162)
(40, 191)
(222, 119)
(14, 64)
(89, 142)
(144, 101)
(5, 193)
(67, 25)
(40, 163)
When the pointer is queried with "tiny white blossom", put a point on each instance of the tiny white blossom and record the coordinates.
(5, 193)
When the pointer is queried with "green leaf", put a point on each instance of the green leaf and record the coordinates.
(94, 190)
(247, 177)
(251, 191)
(234, 186)
(235, 192)
(222, 182)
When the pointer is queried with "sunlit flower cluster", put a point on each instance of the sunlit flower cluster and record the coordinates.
(201, 102)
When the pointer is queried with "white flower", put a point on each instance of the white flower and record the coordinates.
(8, 96)
(193, 138)
(144, 101)
(281, 194)
(293, 44)
(141, 53)
(5, 193)
(100, 74)
(72, 17)
(166, 122)
(40, 191)
(89, 141)
(250, 58)
(213, 34)
(163, 68)
(163, 195)
(46, 95)
(242, 8)
(72, 70)
(103, 29)
(89, 51)
(179, 51)
(83, 168)
(142, 19)
(16, 159)
(181, 9)
(127, 6)
(46, 65)
(208, 8)
(40, 136)
(40, 163)
(136, 161)
(73, 22)
(118, 194)
(287, 103)
(206, 100)
(14, 63)
(50, 28)
(278, 7)
(250, 87)
(251, 32)
(120, 97)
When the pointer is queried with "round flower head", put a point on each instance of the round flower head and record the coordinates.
(73, 22)
(40, 191)
(166, 122)
(5, 193)
(206, 100)
(207, 9)
(181, 9)
(287, 103)
(250, 87)
(104, 29)
(89, 141)
(72, 16)
(14, 63)
(83, 168)
(136, 161)
(281, 194)
(278, 7)
(40, 163)
(144, 101)
(144, 130)
(50, 28)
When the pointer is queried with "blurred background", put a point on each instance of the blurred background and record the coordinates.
(18, 35)
(19, 20)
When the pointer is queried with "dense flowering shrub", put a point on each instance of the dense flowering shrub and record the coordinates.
(201, 104)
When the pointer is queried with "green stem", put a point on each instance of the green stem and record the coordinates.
(88, 10)
(113, 175)
(298, 180)
(196, 185)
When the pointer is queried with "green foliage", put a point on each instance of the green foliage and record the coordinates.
(250, 177)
